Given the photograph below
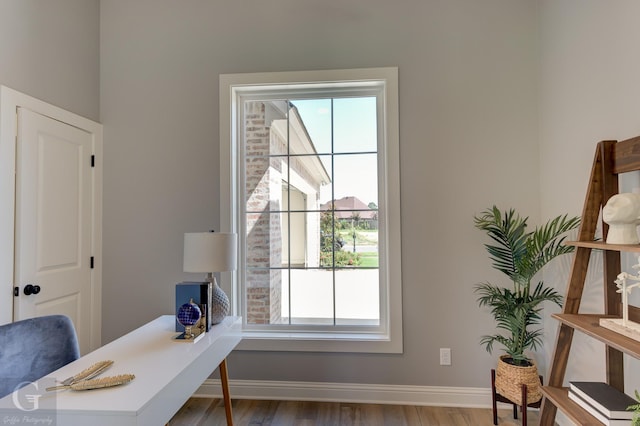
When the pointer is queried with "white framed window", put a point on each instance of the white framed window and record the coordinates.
(309, 175)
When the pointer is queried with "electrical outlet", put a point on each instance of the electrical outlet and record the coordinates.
(445, 356)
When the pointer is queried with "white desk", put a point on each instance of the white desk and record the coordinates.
(167, 374)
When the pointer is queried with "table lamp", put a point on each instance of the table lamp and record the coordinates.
(212, 252)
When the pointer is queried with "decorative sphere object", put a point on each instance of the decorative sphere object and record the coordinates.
(219, 304)
(188, 315)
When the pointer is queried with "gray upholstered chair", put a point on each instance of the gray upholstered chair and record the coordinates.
(32, 348)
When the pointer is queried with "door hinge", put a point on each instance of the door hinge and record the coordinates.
(93, 160)
(91, 263)
(16, 291)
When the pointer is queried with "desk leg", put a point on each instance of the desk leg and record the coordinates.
(224, 378)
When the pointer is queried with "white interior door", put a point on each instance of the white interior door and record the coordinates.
(53, 257)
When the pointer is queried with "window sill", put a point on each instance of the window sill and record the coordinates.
(319, 342)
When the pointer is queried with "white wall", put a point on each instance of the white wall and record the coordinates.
(468, 128)
(589, 91)
(50, 50)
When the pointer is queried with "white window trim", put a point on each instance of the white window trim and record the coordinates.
(389, 342)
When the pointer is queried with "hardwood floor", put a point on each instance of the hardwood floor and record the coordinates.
(210, 412)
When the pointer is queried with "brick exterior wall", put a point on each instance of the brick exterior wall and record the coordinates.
(264, 236)
(265, 170)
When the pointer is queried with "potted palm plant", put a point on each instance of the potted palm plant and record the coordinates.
(520, 255)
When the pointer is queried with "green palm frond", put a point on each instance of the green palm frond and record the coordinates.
(546, 243)
(636, 410)
(508, 232)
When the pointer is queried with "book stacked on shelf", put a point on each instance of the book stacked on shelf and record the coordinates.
(605, 403)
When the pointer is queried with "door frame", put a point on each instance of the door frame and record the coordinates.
(10, 100)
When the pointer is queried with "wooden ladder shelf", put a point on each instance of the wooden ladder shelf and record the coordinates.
(612, 158)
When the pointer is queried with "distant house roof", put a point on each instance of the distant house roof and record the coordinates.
(346, 207)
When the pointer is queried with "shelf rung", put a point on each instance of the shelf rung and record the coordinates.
(560, 398)
(590, 325)
(601, 245)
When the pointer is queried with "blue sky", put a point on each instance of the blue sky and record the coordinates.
(354, 131)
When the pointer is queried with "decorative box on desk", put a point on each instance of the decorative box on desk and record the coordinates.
(201, 293)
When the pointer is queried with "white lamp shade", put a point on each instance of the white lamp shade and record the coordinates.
(210, 251)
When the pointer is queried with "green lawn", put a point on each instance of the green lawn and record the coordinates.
(369, 260)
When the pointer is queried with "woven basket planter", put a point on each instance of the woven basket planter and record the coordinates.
(510, 378)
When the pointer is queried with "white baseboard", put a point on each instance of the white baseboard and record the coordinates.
(350, 392)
